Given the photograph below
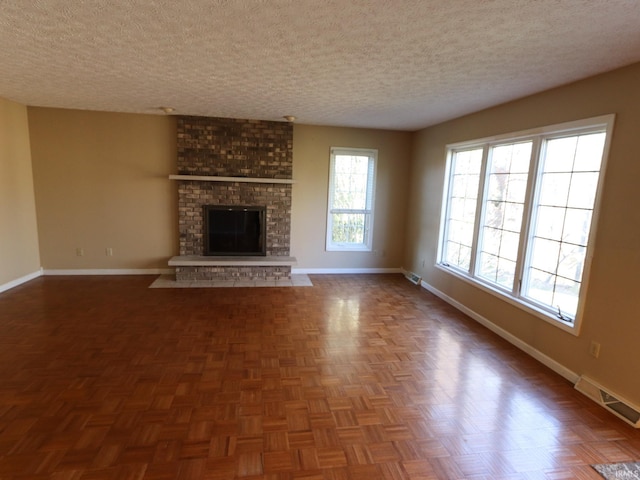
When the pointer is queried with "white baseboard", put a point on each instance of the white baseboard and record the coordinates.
(512, 339)
(339, 271)
(19, 281)
(111, 271)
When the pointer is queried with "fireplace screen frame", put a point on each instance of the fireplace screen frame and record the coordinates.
(213, 250)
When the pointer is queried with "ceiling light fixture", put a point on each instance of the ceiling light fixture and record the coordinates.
(289, 118)
(167, 110)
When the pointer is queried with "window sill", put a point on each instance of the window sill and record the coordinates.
(572, 328)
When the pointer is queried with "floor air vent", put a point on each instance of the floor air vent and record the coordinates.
(413, 278)
(613, 403)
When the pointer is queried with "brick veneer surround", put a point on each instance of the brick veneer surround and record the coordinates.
(234, 148)
(194, 195)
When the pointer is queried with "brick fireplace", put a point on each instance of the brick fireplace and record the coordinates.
(224, 161)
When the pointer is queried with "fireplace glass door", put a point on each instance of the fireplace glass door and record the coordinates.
(234, 230)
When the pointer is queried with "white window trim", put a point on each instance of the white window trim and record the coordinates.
(604, 121)
(367, 246)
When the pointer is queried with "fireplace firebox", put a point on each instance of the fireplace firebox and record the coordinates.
(234, 230)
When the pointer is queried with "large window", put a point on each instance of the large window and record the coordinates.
(351, 193)
(518, 211)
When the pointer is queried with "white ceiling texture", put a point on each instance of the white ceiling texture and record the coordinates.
(393, 64)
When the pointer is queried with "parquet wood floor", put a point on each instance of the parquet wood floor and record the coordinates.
(357, 378)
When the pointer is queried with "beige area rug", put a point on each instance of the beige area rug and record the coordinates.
(169, 281)
(619, 471)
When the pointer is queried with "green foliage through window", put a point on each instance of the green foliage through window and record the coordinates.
(350, 212)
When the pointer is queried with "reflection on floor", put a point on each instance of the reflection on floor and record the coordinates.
(361, 377)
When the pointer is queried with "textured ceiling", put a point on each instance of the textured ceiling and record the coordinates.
(397, 64)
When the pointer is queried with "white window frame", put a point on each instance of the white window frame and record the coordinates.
(537, 136)
(368, 211)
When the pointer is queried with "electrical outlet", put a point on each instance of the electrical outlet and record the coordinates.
(79, 252)
(594, 349)
(108, 252)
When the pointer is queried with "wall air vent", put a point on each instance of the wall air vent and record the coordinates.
(618, 406)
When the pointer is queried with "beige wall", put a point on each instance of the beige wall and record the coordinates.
(18, 231)
(311, 146)
(101, 181)
(612, 309)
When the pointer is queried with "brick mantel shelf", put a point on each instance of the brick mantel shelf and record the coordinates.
(208, 178)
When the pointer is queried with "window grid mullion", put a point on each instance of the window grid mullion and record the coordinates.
(450, 169)
(528, 219)
(351, 210)
(549, 274)
(482, 184)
